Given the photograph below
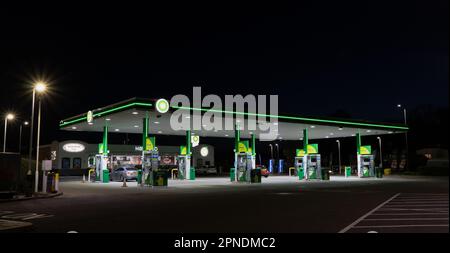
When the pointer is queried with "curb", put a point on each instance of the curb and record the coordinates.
(34, 197)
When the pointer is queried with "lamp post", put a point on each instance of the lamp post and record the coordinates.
(8, 116)
(278, 151)
(381, 156)
(406, 134)
(339, 155)
(20, 135)
(39, 88)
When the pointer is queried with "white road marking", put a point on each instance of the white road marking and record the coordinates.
(9, 224)
(407, 209)
(407, 219)
(409, 213)
(403, 226)
(367, 214)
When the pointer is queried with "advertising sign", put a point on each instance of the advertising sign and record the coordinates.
(313, 148)
(183, 150)
(150, 143)
(243, 147)
(365, 150)
(195, 140)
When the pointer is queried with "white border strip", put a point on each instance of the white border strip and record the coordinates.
(367, 214)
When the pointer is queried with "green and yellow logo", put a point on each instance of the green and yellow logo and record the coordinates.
(183, 150)
(299, 152)
(365, 150)
(162, 105)
(150, 143)
(243, 147)
(313, 148)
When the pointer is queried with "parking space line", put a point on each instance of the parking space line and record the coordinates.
(403, 226)
(409, 213)
(407, 219)
(405, 211)
(367, 214)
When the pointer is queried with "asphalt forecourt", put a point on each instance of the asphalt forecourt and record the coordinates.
(405, 213)
(284, 204)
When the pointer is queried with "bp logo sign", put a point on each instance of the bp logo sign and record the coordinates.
(162, 105)
(195, 140)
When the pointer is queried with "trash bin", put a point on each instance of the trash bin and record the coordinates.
(255, 176)
(192, 173)
(348, 171)
(378, 172)
(232, 174)
(139, 176)
(159, 178)
(105, 176)
(325, 174)
(300, 173)
(387, 171)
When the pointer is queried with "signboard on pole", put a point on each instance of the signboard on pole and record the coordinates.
(313, 148)
(365, 150)
(150, 143)
(243, 147)
(195, 140)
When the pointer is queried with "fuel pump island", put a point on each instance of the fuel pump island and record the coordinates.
(244, 160)
(307, 164)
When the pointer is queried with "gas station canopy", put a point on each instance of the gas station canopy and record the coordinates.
(126, 117)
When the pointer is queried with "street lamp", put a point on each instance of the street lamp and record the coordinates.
(381, 156)
(40, 88)
(271, 151)
(339, 154)
(278, 151)
(25, 123)
(9, 116)
(406, 134)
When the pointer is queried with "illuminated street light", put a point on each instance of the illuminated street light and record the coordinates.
(9, 116)
(40, 88)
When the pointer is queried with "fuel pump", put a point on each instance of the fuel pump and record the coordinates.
(101, 168)
(245, 164)
(300, 163)
(313, 169)
(365, 162)
(150, 165)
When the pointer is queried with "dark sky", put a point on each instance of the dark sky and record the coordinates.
(319, 57)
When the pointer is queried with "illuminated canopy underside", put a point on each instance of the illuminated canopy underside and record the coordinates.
(126, 117)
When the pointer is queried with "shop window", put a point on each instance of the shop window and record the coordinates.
(77, 163)
(65, 163)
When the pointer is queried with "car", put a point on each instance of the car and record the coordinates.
(121, 173)
(206, 170)
(264, 170)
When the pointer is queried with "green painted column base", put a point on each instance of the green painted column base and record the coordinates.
(232, 174)
(301, 174)
(192, 174)
(105, 176)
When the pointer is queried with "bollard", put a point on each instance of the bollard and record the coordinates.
(56, 180)
(44, 182)
(124, 182)
(84, 179)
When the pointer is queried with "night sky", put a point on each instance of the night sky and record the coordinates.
(361, 58)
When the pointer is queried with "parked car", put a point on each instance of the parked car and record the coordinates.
(128, 173)
(206, 170)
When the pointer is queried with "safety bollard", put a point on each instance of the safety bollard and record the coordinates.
(56, 182)
(124, 182)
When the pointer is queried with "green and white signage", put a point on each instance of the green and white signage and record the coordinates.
(162, 105)
(195, 140)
